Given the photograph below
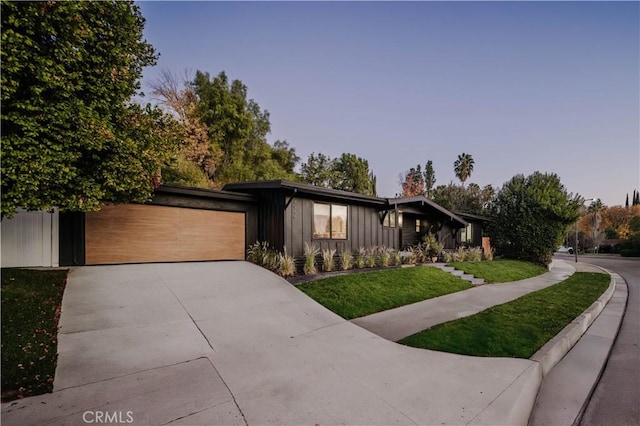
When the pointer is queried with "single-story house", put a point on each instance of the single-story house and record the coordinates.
(190, 224)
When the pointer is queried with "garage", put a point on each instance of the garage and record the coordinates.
(134, 233)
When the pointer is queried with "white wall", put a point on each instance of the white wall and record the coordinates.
(30, 239)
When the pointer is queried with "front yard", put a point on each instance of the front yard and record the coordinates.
(31, 302)
(518, 328)
(358, 294)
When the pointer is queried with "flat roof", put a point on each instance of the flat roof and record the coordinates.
(205, 193)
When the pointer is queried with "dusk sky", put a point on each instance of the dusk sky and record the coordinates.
(520, 86)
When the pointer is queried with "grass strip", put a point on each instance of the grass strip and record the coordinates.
(500, 270)
(31, 302)
(359, 294)
(517, 328)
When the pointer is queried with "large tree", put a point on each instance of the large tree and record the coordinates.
(347, 172)
(70, 135)
(237, 127)
(472, 199)
(530, 215)
(463, 167)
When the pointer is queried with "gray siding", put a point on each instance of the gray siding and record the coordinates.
(364, 228)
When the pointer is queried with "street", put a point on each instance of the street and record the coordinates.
(615, 400)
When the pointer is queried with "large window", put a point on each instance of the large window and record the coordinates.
(329, 221)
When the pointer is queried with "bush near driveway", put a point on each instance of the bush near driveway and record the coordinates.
(500, 271)
(31, 302)
(359, 294)
(517, 328)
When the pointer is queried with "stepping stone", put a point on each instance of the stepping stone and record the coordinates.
(477, 281)
(467, 277)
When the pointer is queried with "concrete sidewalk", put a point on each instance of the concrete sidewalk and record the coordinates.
(404, 321)
(231, 343)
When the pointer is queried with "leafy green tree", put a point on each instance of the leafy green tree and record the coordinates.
(237, 128)
(318, 171)
(429, 179)
(353, 174)
(472, 199)
(530, 215)
(463, 167)
(348, 173)
(70, 136)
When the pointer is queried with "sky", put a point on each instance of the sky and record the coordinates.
(521, 86)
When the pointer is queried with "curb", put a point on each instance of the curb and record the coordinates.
(551, 405)
(555, 349)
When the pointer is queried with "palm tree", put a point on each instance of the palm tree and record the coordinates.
(463, 167)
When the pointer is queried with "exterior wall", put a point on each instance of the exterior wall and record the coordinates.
(448, 237)
(30, 239)
(364, 228)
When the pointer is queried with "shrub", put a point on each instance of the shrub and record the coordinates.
(286, 264)
(488, 256)
(448, 256)
(310, 253)
(474, 254)
(360, 256)
(257, 251)
(396, 259)
(327, 259)
(270, 260)
(370, 258)
(346, 259)
(385, 257)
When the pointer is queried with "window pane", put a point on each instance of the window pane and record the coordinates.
(417, 225)
(339, 222)
(392, 219)
(321, 214)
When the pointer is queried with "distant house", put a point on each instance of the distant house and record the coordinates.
(190, 224)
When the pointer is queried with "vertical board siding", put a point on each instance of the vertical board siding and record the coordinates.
(363, 229)
(30, 239)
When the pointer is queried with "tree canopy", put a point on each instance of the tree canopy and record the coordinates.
(530, 215)
(71, 137)
(226, 132)
(347, 172)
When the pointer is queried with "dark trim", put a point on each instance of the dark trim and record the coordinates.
(290, 199)
(304, 188)
(476, 217)
(205, 193)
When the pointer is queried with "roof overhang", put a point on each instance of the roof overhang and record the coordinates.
(420, 204)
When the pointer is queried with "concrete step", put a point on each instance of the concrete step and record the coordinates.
(457, 273)
(477, 281)
(467, 277)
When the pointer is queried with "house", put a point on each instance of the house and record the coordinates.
(190, 224)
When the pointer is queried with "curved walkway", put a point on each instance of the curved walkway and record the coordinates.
(398, 323)
(231, 343)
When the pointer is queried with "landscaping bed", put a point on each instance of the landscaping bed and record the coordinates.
(500, 270)
(359, 294)
(517, 328)
(31, 302)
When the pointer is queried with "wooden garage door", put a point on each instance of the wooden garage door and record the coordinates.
(132, 233)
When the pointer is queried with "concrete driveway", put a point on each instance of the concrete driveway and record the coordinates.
(231, 343)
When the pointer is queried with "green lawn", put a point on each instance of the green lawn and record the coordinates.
(30, 312)
(518, 328)
(500, 270)
(359, 294)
